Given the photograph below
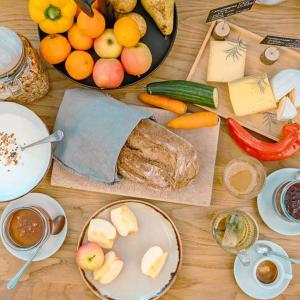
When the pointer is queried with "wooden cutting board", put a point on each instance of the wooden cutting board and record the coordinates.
(198, 192)
(263, 123)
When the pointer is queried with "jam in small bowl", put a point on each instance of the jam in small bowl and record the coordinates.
(286, 201)
(24, 228)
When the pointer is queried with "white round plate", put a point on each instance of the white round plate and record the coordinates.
(54, 209)
(269, 2)
(265, 203)
(16, 181)
(155, 229)
(244, 274)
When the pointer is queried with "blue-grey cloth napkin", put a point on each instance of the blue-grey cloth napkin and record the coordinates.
(95, 126)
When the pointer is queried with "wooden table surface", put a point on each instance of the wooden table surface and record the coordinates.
(206, 273)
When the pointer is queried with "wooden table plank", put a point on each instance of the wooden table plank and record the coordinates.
(206, 273)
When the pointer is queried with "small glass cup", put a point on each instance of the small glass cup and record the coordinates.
(5, 227)
(245, 232)
(255, 166)
(280, 203)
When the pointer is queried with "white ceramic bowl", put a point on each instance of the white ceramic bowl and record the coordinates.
(18, 180)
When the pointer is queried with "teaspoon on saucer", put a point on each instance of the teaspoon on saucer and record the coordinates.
(57, 226)
(266, 250)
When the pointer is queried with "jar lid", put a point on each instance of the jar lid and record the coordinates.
(11, 50)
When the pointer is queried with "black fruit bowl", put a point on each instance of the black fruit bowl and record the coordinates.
(159, 45)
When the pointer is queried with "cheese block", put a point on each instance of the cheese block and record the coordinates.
(251, 95)
(286, 110)
(226, 61)
(285, 82)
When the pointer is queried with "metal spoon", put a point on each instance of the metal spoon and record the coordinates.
(56, 136)
(266, 250)
(57, 226)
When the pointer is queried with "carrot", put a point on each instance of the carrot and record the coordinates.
(164, 102)
(195, 120)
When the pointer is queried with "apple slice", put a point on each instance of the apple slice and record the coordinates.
(153, 261)
(90, 257)
(124, 220)
(102, 232)
(110, 270)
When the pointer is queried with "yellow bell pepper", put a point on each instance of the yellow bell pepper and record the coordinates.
(53, 16)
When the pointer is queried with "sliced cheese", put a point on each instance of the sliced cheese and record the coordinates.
(251, 95)
(286, 110)
(226, 61)
(285, 82)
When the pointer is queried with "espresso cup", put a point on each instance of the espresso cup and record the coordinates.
(281, 273)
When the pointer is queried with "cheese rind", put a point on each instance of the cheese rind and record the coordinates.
(223, 66)
(251, 95)
(286, 110)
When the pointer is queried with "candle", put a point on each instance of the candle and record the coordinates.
(270, 55)
(221, 30)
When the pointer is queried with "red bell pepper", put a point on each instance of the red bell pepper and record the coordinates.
(286, 147)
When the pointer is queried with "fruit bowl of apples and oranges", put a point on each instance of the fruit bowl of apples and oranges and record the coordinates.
(104, 44)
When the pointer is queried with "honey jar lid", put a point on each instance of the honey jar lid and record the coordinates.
(11, 50)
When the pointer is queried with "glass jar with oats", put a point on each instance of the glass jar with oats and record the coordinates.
(23, 78)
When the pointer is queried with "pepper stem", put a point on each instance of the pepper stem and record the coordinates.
(53, 12)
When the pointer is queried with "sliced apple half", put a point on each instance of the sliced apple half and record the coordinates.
(124, 220)
(102, 232)
(110, 270)
(153, 261)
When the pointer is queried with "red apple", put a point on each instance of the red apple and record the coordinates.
(136, 60)
(90, 257)
(108, 73)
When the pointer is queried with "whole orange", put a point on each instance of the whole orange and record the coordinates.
(77, 40)
(127, 32)
(54, 48)
(79, 64)
(98, 4)
(91, 26)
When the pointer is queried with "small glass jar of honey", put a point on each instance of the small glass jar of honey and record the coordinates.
(24, 228)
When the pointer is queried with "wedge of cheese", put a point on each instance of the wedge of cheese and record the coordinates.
(286, 110)
(226, 61)
(287, 83)
(251, 95)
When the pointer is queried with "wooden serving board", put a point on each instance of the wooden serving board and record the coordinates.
(198, 192)
(263, 123)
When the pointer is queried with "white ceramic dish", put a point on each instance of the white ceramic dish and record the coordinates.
(155, 228)
(244, 275)
(16, 181)
(265, 203)
(53, 209)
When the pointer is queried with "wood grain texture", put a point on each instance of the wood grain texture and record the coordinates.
(206, 273)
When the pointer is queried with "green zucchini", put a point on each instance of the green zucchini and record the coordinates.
(187, 91)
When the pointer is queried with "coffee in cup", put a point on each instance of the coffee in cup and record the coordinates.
(269, 272)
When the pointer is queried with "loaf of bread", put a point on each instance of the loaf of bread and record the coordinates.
(157, 157)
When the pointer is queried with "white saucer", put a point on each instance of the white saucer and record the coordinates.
(265, 203)
(244, 275)
(17, 180)
(53, 209)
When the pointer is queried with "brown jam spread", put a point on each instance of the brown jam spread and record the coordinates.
(26, 227)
